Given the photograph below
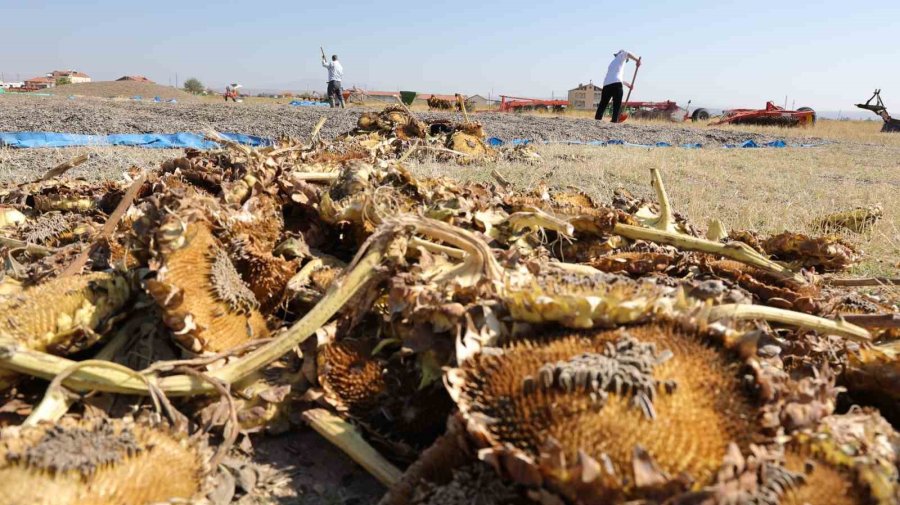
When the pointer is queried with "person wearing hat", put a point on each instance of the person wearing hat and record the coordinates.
(612, 84)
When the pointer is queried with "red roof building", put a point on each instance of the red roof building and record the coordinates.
(135, 78)
(39, 83)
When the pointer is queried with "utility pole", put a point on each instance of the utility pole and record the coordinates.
(176, 79)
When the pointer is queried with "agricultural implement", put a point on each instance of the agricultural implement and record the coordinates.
(355, 95)
(667, 110)
(518, 104)
(890, 124)
(772, 115)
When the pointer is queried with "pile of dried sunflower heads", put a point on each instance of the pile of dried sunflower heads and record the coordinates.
(465, 343)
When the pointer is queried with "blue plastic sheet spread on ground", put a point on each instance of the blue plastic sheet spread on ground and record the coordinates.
(496, 142)
(308, 103)
(183, 140)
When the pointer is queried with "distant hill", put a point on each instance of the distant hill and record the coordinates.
(122, 89)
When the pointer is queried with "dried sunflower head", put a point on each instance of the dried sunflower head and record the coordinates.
(472, 128)
(260, 219)
(849, 459)
(771, 289)
(385, 396)
(858, 220)
(873, 377)
(100, 462)
(636, 264)
(266, 275)
(578, 300)
(367, 121)
(829, 253)
(203, 298)
(350, 376)
(472, 147)
(54, 228)
(63, 315)
(609, 415)
(589, 222)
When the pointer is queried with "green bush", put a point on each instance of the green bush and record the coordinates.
(193, 85)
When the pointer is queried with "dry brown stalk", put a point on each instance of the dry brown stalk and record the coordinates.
(64, 167)
(109, 227)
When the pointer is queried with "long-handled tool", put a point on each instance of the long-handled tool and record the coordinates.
(623, 116)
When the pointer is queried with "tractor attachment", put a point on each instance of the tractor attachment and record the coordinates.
(772, 115)
(890, 124)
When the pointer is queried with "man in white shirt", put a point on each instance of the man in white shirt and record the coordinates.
(612, 84)
(335, 74)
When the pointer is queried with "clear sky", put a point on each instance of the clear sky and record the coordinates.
(826, 54)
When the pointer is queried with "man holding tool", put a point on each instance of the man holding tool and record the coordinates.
(612, 85)
(335, 74)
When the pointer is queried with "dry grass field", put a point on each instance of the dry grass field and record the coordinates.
(769, 190)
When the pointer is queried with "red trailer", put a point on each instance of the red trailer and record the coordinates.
(772, 115)
(518, 104)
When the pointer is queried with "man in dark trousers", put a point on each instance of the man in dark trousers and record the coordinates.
(612, 85)
(335, 75)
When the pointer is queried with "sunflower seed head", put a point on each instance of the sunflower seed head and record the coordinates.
(228, 285)
(80, 449)
(625, 367)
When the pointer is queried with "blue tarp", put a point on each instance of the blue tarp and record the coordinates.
(496, 141)
(197, 141)
(308, 103)
(151, 140)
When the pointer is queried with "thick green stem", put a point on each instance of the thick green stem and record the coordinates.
(103, 378)
(735, 250)
(746, 311)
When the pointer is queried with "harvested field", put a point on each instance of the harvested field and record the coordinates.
(107, 116)
(405, 280)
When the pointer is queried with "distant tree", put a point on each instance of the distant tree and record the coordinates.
(60, 81)
(193, 85)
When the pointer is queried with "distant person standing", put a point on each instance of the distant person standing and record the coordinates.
(335, 74)
(612, 85)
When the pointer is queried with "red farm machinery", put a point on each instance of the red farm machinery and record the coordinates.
(518, 104)
(772, 115)
(667, 110)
